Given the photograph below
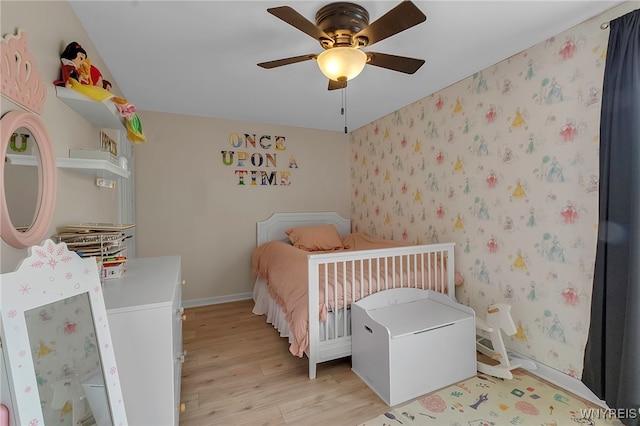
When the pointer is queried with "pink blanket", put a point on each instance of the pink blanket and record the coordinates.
(284, 268)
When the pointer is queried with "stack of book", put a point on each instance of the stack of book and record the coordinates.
(103, 241)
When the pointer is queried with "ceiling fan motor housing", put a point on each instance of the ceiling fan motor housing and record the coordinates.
(341, 20)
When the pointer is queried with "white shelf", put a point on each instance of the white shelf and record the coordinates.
(23, 160)
(100, 168)
(101, 114)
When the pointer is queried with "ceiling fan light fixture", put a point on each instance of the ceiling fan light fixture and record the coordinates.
(342, 63)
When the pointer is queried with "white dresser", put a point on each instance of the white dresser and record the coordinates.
(145, 317)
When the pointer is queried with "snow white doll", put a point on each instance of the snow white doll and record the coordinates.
(73, 58)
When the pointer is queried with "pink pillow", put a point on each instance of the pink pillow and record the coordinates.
(315, 238)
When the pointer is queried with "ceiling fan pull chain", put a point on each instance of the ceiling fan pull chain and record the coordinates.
(344, 107)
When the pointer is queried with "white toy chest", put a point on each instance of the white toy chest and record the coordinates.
(407, 342)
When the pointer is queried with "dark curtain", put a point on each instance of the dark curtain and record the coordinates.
(612, 355)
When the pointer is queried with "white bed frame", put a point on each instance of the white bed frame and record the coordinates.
(331, 339)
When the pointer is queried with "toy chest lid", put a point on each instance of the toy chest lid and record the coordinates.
(416, 317)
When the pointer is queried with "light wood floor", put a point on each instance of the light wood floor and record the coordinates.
(238, 371)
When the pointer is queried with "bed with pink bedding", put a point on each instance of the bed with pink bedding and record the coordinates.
(309, 268)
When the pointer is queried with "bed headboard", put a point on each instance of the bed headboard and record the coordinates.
(275, 226)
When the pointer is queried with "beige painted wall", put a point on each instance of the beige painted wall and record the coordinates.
(189, 203)
(50, 26)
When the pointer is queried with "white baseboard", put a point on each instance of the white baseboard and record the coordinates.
(216, 300)
(563, 380)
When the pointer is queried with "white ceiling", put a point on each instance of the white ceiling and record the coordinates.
(199, 57)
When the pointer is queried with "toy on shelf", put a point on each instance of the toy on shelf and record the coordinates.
(79, 74)
(76, 72)
(498, 320)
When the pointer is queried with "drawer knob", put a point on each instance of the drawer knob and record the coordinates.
(182, 407)
(183, 282)
(184, 317)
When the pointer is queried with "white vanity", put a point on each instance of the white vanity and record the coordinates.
(145, 317)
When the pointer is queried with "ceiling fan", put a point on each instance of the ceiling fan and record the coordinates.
(343, 29)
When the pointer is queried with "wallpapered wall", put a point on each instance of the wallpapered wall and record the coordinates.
(505, 164)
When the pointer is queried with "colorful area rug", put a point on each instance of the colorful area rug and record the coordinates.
(488, 401)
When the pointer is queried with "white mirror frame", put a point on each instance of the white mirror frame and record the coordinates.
(46, 162)
(51, 273)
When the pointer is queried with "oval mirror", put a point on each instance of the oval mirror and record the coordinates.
(27, 197)
(21, 180)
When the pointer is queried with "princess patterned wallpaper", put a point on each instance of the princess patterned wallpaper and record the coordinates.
(504, 164)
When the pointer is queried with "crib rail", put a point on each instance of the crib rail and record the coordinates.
(338, 279)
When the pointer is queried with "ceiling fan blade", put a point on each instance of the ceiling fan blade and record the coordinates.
(393, 62)
(334, 85)
(292, 17)
(286, 61)
(402, 17)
